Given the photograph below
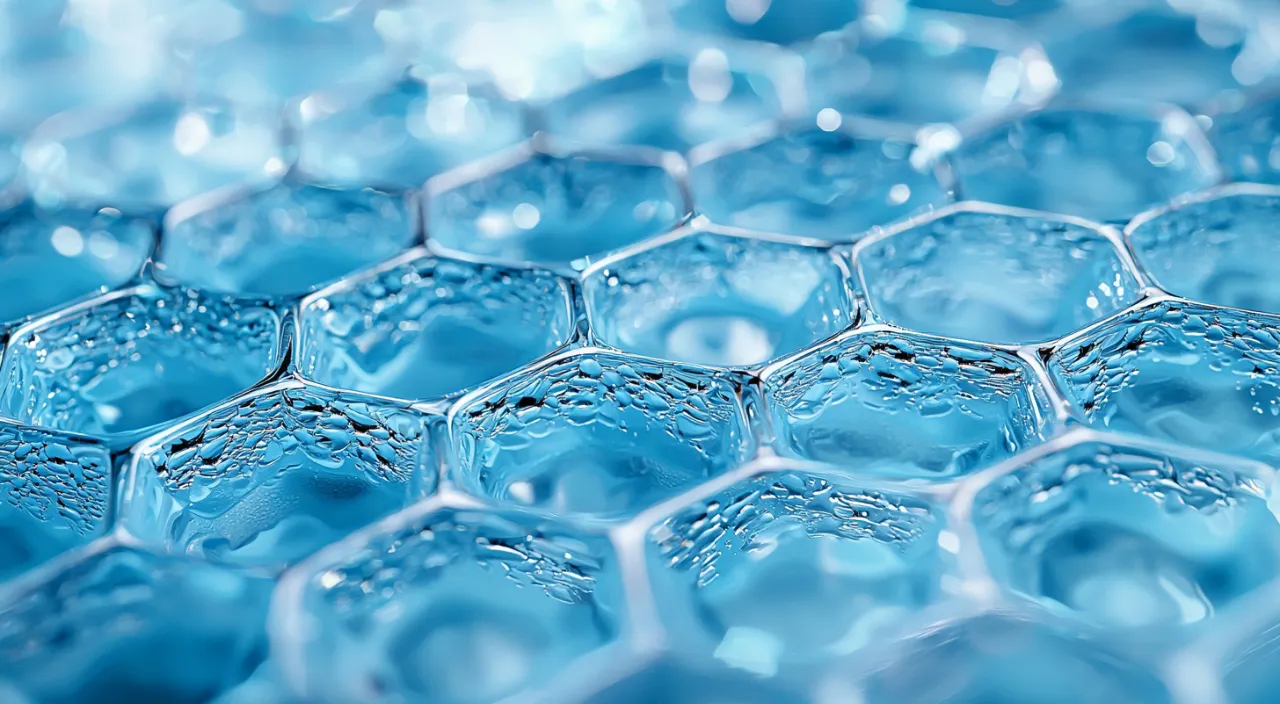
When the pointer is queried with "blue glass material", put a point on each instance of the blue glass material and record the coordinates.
(905, 406)
(284, 239)
(1247, 141)
(794, 567)
(930, 71)
(425, 327)
(126, 362)
(598, 435)
(49, 258)
(1005, 9)
(1131, 538)
(269, 477)
(811, 181)
(1103, 166)
(450, 606)
(1197, 375)
(995, 275)
(1010, 658)
(1216, 249)
(146, 158)
(717, 297)
(126, 625)
(677, 101)
(404, 133)
(1251, 661)
(539, 206)
(676, 681)
(57, 489)
(762, 20)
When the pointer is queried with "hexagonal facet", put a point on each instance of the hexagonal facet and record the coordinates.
(285, 239)
(1219, 250)
(449, 606)
(814, 183)
(1200, 376)
(721, 299)
(424, 327)
(598, 434)
(48, 258)
(675, 681)
(904, 406)
(757, 21)
(1247, 144)
(1102, 166)
(548, 208)
(926, 73)
(123, 625)
(57, 490)
(1154, 56)
(268, 478)
(151, 157)
(1008, 658)
(793, 567)
(671, 103)
(1129, 537)
(131, 360)
(404, 133)
(995, 276)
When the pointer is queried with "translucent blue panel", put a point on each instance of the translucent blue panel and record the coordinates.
(269, 477)
(543, 207)
(813, 182)
(1155, 56)
(404, 133)
(1252, 663)
(424, 327)
(1248, 142)
(1204, 377)
(1130, 538)
(1102, 166)
(285, 239)
(719, 298)
(598, 435)
(844, 567)
(930, 71)
(996, 658)
(1010, 9)
(676, 102)
(129, 361)
(905, 406)
(994, 275)
(57, 489)
(1218, 249)
(48, 258)
(122, 625)
(151, 156)
(677, 681)
(448, 606)
(762, 20)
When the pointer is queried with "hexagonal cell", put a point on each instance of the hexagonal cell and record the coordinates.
(995, 275)
(48, 258)
(1200, 376)
(1009, 657)
(598, 435)
(284, 239)
(447, 605)
(813, 182)
(425, 327)
(57, 491)
(91, 631)
(1129, 537)
(1098, 165)
(542, 206)
(793, 567)
(271, 476)
(150, 157)
(673, 680)
(679, 99)
(1155, 56)
(128, 361)
(758, 21)
(1216, 248)
(404, 133)
(718, 297)
(930, 71)
(906, 406)
(1245, 140)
